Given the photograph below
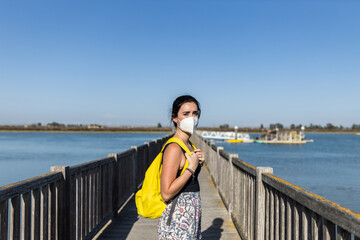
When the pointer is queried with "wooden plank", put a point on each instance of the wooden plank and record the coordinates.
(4, 213)
(77, 207)
(296, 221)
(252, 206)
(26, 216)
(267, 212)
(97, 198)
(282, 216)
(80, 206)
(100, 193)
(305, 223)
(44, 212)
(35, 214)
(288, 218)
(15, 218)
(91, 199)
(343, 234)
(329, 230)
(271, 214)
(315, 226)
(59, 210)
(247, 204)
(85, 205)
(277, 214)
(53, 208)
(72, 219)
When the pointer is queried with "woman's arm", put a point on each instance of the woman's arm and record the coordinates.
(170, 185)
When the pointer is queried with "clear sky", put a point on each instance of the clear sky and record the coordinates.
(124, 62)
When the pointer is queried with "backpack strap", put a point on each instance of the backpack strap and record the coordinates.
(186, 149)
(183, 146)
(180, 143)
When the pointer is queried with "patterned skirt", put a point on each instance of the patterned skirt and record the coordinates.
(186, 219)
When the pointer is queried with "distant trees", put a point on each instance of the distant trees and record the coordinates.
(328, 126)
(55, 124)
(312, 126)
(293, 126)
(276, 125)
(159, 125)
(224, 126)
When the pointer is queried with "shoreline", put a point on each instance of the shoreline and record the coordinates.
(159, 130)
(81, 131)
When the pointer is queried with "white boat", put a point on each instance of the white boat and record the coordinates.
(216, 135)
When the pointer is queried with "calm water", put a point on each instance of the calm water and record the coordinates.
(328, 167)
(26, 155)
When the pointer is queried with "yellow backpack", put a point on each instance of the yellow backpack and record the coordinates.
(149, 202)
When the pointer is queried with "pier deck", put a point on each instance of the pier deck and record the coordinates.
(216, 223)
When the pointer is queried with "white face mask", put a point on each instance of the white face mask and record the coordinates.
(189, 124)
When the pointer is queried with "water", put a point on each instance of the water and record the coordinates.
(328, 167)
(26, 155)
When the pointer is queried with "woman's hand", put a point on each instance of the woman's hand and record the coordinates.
(193, 160)
(201, 155)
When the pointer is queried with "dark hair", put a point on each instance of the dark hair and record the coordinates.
(179, 102)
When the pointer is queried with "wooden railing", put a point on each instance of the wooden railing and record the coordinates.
(74, 202)
(264, 206)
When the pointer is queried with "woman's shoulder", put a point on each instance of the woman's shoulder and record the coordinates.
(173, 148)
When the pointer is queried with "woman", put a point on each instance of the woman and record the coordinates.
(182, 217)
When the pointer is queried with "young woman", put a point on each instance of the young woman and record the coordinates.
(182, 217)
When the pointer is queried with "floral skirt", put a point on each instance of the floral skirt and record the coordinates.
(186, 219)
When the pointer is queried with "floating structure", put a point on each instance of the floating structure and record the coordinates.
(275, 136)
(284, 137)
(228, 136)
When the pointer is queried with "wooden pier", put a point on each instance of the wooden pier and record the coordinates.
(94, 200)
(216, 223)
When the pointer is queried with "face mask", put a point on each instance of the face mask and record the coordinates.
(189, 124)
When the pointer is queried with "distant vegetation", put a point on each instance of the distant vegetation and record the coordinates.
(329, 127)
(60, 127)
(55, 126)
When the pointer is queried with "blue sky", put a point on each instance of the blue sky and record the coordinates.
(124, 62)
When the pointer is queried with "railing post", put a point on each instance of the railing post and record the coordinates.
(65, 213)
(260, 203)
(219, 167)
(146, 156)
(134, 166)
(115, 197)
(231, 184)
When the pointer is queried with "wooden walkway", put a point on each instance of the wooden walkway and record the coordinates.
(216, 223)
